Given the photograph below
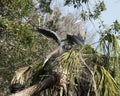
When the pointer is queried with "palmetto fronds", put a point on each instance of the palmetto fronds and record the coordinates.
(99, 78)
(70, 63)
(71, 71)
(106, 84)
(109, 43)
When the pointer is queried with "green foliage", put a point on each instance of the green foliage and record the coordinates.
(20, 45)
(109, 46)
(93, 13)
(23, 32)
(105, 79)
(70, 64)
(110, 40)
(45, 6)
(116, 25)
(16, 9)
(98, 9)
(76, 3)
(87, 49)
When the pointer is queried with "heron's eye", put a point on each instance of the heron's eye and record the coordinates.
(67, 46)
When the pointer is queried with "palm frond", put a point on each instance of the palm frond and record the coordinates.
(106, 84)
(71, 64)
(109, 45)
(22, 75)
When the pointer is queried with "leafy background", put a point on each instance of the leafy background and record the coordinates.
(21, 45)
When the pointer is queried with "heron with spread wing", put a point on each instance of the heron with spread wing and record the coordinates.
(62, 45)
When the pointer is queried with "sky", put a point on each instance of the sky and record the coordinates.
(112, 13)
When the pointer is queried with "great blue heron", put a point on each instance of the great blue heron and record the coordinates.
(70, 38)
(50, 34)
(63, 44)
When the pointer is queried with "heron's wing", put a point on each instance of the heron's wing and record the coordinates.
(50, 34)
(78, 39)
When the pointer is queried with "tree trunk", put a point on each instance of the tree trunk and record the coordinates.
(35, 89)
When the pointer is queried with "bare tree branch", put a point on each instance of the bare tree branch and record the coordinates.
(37, 88)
